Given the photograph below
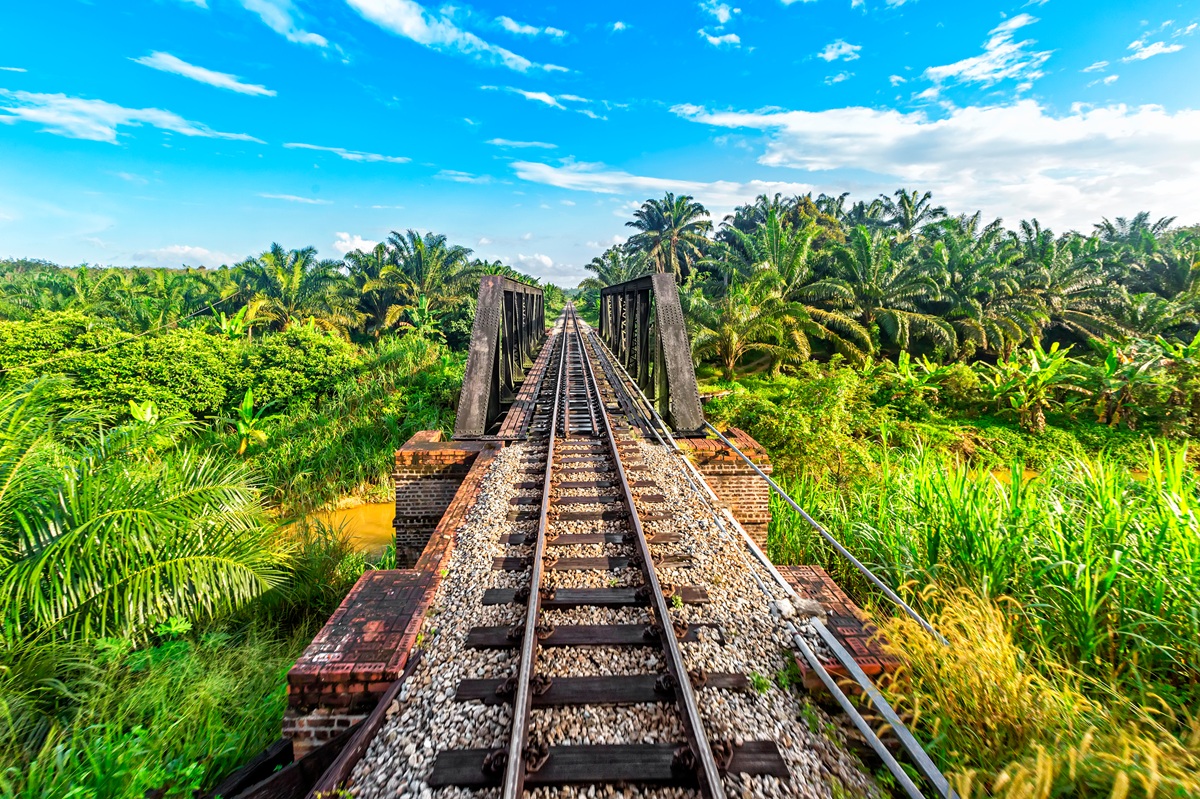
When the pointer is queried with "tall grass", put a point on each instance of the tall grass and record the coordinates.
(1010, 723)
(1105, 565)
(342, 444)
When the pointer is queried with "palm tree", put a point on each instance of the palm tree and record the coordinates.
(909, 211)
(294, 285)
(423, 266)
(750, 317)
(124, 531)
(373, 298)
(980, 288)
(1074, 290)
(615, 265)
(783, 254)
(884, 292)
(1133, 231)
(672, 232)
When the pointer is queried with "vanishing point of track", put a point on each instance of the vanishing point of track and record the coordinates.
(587, 448)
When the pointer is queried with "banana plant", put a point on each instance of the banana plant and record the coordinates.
(1033, 381)
(1122, 373)
(247, 422)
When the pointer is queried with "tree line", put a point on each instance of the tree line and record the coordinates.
(786, 278)
(411, 281)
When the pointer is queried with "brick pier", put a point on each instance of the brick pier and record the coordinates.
(429, 472)
(746, 494)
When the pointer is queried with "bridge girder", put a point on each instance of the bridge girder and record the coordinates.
(510, 325)
(641, 322)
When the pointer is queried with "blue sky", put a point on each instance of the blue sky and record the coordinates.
(161, 132)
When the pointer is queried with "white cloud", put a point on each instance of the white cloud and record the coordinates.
(1016, 160)
(1188, 31)
(896, 80)
(1142, 51)
(183, 255)
(292, 198)
(521, 29)
(722, 12)
(200, 3)
(350, 155)
(567, 202)
(720, 196)
(1110, 80)
(840, 49)
(1098, 66)
(521, 144)
(619, 26)
(346, 243)
(130, 177)
(1002, 58)
(412, 21)
(165, 62)
(462, 177)
(554, 101)
(97, 120)
(718, 41)
(280, 16)
(483, 242)
(539, 97)
(838, 78)
(536, 260)
(13, 69)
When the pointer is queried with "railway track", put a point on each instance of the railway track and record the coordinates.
(581, 492)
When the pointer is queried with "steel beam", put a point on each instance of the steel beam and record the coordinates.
(510, 325)
(641, 322)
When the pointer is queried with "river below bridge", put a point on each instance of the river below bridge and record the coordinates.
(369, 526)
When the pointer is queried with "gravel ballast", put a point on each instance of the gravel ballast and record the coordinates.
(425, 719)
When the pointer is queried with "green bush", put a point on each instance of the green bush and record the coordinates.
(41, 338)
(183, 371)
(295, 365)
(816, 423)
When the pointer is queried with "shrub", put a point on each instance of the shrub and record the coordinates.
(297, 364)
(183, 371)
(39, 339)
(816, 423)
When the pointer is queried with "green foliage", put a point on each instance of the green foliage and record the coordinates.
(295, 365)
(126, 530)
(162, 721)
(1033, 382)
(343, 446)
(813, 425)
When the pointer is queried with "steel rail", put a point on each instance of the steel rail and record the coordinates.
(915, 751)
(514, 767)
(708, 774)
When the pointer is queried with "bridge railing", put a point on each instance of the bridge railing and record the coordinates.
(641, 321)
(510, 324)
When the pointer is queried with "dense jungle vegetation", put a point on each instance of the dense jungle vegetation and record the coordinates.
(997, 421)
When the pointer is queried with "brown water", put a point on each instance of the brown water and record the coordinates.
(369, 526)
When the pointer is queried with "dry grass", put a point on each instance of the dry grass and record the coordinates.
(1011, 724)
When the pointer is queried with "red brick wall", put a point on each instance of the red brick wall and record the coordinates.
(745, 493)
(365, 645)
(428, 473)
